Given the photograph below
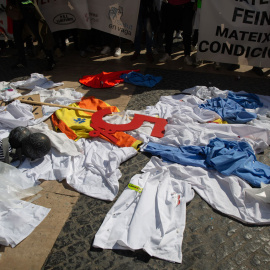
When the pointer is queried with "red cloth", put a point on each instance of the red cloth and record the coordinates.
(104, 79)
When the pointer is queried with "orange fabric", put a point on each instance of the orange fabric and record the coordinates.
(124, 139)
(93, 103)
(63, 119)
(104, 79)
(59, 124)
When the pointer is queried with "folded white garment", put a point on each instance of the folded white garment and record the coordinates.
(150, 213)
(7, 92)
(36, 79)
(94, 173)
(17, 218)
(262, 193)
(17, 223)
(226, 194)
(153, 220)
(61, 96)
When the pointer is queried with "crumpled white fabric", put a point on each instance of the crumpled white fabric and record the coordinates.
(16, 114)
(7, 92)
(183, 130)
(60, 141)
(64, 96)
(17, 218)
(262, 193)
(97, 173)
(205, 92)
(61, 96)
(17, 223)
(226, 194)
(153, 220)
(53, 166)
(20, 114)
(36, 79)
(94, 173)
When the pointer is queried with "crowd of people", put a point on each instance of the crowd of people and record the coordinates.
(157, 26)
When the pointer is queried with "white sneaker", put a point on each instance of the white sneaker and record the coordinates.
(106, 50)
(117, 52)
(166, 57)
(188, 60)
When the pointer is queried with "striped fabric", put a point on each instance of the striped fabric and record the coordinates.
(2, 156)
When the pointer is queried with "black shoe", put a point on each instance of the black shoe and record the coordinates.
(258, 71)
(233, 67)
(135, 56)
(150, 57)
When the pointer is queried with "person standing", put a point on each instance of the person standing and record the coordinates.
(144, 25)
(175, 9)
(32, 17)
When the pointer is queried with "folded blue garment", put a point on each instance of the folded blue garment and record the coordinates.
(229, 110)
(246, 100)
(140, 79)
(227, 157)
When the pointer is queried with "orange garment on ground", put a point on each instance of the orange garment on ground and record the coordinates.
(76, 124)
(104, 79)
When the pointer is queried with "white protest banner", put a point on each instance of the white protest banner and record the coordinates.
(117, 17)
(235, 31)
(6, 28)
(63, 14)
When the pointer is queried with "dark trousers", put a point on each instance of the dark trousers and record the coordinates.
(30, 19)
(173, 14)
(143, 23)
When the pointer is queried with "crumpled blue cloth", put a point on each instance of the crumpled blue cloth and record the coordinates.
(246, 100)
(229, 110)
(227, 157)
(140, 79)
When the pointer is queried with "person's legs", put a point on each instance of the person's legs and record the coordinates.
(148, 34)
(171, 16)
(17, 34)
(138, 36)
(33, 23)
(187, 13)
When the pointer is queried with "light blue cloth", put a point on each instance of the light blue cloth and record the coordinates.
(227, 157)
(229, 110)
(246, 100)
(140, 79)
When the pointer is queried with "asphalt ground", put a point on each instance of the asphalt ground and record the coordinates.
(211, 240)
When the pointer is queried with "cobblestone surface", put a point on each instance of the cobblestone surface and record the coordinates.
(211, 240)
